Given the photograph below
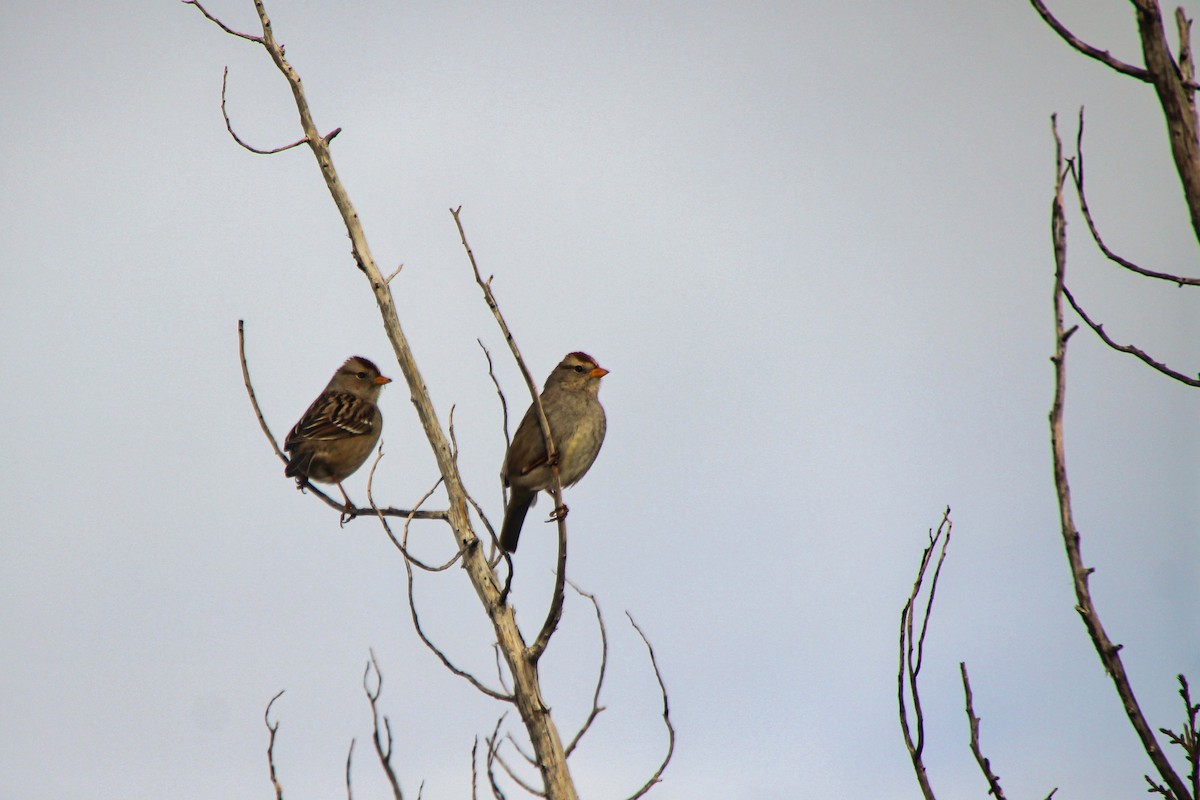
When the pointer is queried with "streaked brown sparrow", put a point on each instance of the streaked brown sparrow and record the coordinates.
(336, 434)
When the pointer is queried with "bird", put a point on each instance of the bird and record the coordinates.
(336, 434)
(577, 425)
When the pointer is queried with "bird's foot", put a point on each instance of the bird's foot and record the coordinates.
(559, 512)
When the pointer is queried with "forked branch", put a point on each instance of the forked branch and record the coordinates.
(912, 652)
(1108, 651)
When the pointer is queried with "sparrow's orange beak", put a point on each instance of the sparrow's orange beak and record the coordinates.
(383, 379)
(598, 372)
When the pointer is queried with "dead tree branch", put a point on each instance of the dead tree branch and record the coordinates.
(1075, 168)
(233, 133)
(596, 707)
(912, 652)
(1108, 651)
(666, 714)
(273, 728)
(1188, 739)
(382, 749)
(1103, 56)
(985, 766)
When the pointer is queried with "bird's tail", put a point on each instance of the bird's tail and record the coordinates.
(514, 518)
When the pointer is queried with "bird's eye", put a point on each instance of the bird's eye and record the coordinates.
(362, 376)
(579, 368)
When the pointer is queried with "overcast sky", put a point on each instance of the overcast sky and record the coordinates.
(811, 243)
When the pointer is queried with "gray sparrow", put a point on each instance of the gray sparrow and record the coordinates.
(577, 426)
(336, 434)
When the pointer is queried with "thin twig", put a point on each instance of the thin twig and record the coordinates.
(491, 758)
(1132, 350)
(222, 25)
(596, 707)
(273, 728)
(416, 620)
(349, 758)
(402, 544)
(1075, 168)
(516, 778)
(1103, 56)
(912, 652)
(558, 599)
(529, 759)
(1188, 739)
(985, 765)
(382, 750)
(233, 133)
(666, 714)
(474, 769)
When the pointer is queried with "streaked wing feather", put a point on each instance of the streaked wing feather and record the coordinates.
(337, 415)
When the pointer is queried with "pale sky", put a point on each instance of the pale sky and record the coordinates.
(811, 243)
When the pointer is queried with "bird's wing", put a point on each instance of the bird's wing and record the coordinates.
(335, 415)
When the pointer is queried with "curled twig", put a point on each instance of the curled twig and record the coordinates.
(273, 727)
(596, 707)
(233, 133)
(666, 714)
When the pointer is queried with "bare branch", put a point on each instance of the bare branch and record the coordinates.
(474, 771)
(1127, 348)
(984, 765)
(222, 25)
(596, 707)
(515, 778)
(1109, 653)
(273, 728)
(382, 750)
(1075, 168)
(1188, 739)
(491, 758)
(499, 392)
(520, 750)
(349, 758)
(1103, 56)
(402, 543)
(416, 620)
(238, 139)
(554, 614)
(912, 651)
(666, 714)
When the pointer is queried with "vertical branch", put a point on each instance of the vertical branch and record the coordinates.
(1109, 653)
(273, 728)
(912, 653)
